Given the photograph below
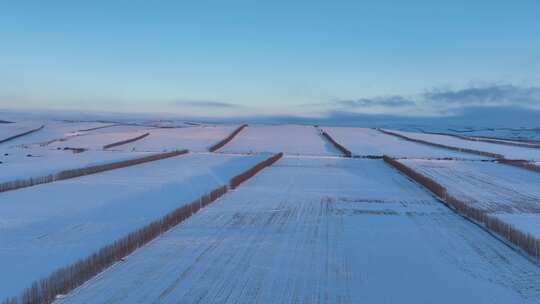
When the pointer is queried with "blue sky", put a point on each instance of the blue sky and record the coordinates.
(250, 57)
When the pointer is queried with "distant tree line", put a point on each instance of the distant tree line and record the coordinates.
(66, 174)
(127, 141)
(100, 127)
(346, 152)
(21, 134)
(239, 179)
(526, 144)
(465, 150)
(525, 241)
(227, 139)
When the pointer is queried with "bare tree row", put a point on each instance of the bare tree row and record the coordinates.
(227, 139)
(70, 277)
(521, 164)
(127, 141)
(66, 174)
(464, 150)
(346, 152)
(239, 179)
(491, 140)
(21, 134)
(525, 241)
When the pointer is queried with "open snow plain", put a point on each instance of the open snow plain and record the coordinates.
(315, 227)
(321, 231)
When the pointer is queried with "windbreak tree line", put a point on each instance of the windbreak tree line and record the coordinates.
(525, 241)
(66, 279)
(66, 174)
(227, 139)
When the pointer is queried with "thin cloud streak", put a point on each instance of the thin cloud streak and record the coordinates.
(204, 104)
(386, 101)
(487, 95)
(436, 102)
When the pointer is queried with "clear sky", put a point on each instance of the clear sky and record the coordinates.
(244, 57)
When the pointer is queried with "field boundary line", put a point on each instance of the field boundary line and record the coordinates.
(100, 127)
(227, 139)
(346, 152)
(240, 178)
(21, 134)
(425, 142)
(509, 142)
(127, 141)
(523, 164)
(523, 241)
(72, 173)
(68, 278)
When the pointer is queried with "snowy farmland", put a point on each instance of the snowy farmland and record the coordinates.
(370, 142)
(509, 152)
(509, 193)
(198, 138)
(11, 130)
(27, 163)
(314, 227)
(52, 130)
(289, 139)
(48, 226)
(337, 231)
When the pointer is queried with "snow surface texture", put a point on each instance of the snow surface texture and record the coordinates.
(364, 142)
(321, 230)
(510, 193)
(509, 152)
(45, 227)
(198, 139)
(289, 139)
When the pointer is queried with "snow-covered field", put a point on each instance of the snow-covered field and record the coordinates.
(8, 130)
(197, 138)
(510, 152)
(94, 141)
(289, 139)
(510, 193)
(315, 227)
(41, 153)
(48, 226)
(53, 130)
(19, 163)
(370, 142)
(321, 231)
(521, 134)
